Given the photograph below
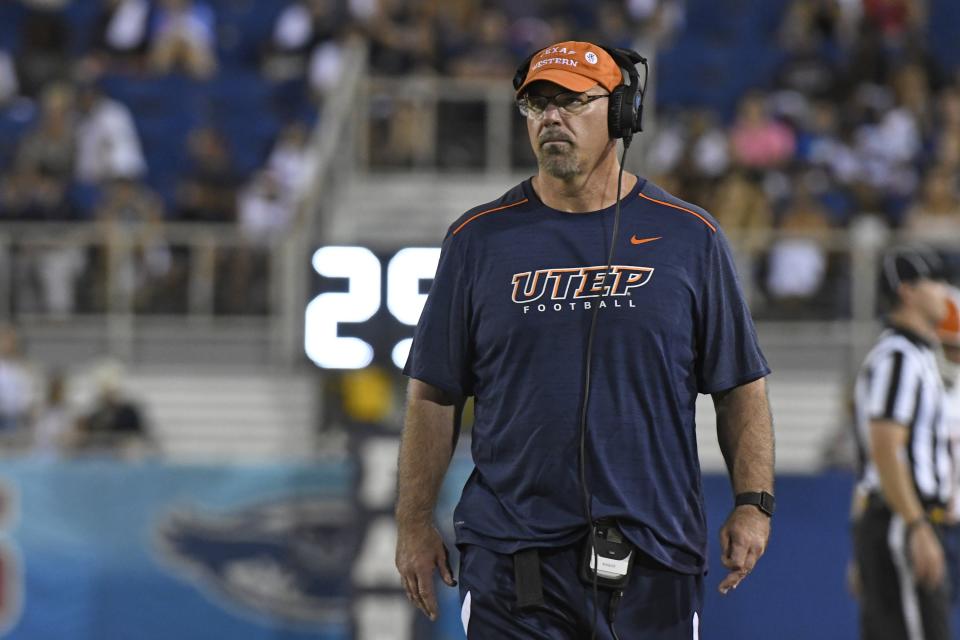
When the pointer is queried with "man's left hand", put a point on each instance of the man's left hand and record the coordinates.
(743, 540)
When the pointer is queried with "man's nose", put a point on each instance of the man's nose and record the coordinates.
(551, 113)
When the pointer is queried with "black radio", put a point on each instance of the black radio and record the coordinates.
(611, 561)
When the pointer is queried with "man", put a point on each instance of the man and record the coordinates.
(508, 321)
(949, 360)
(906, 470)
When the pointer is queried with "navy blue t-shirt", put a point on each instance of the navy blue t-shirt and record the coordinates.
(506, 321)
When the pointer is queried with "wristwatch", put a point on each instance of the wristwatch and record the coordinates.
(761, 499)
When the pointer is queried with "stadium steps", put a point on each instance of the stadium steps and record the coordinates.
(228, 416)
(389, 211)
(807, 410)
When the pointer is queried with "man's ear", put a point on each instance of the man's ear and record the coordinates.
(904, 293)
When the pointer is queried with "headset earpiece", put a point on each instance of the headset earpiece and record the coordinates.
(521, 73)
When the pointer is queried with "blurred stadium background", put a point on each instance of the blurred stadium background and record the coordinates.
(219, 220)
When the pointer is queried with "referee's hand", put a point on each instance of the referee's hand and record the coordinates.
(743, 539)
(926, 555)
(420, 550)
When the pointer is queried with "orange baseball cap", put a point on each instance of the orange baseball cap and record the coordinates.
(576, 66)
(949, 329)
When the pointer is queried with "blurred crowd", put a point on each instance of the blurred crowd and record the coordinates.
(73, 147)
(41, 415)
(859, 116)
(860, 120)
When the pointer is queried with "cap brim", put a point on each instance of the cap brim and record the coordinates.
(566, 79)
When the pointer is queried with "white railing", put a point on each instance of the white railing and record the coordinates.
(119, 316)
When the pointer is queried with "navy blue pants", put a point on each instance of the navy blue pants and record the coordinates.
(658, 604)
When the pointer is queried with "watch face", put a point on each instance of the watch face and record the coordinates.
(767, 503)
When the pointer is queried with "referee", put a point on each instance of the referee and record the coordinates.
(906, 470)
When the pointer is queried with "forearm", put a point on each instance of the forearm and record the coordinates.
(896, 482)
(426, 447)
(745, 434)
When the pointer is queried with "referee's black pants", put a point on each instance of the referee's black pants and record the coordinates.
(892, 605)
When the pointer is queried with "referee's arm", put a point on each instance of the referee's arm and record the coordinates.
(888, 443)
(745, 434)
(429, 434)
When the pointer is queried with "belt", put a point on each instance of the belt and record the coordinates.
(936, 513)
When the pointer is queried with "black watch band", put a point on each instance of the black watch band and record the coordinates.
(760, 499)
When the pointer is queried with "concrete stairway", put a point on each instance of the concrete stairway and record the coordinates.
(807, 411)
(228, 416)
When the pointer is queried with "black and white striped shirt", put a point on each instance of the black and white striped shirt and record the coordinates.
(899, 381)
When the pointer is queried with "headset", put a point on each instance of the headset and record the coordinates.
(625, 112)
(624, 118)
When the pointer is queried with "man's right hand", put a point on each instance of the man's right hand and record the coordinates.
(927, 556)
(420, 549)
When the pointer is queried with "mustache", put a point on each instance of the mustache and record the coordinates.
(553, 137)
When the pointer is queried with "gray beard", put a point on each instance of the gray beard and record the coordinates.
(562, 164)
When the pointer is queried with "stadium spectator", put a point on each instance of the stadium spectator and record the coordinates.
(614, 25)
(659, 20)
(266, 209)
(47, 278)
(121, 34)
(115, 423)
(401, 38)
(50, 148)
(55, 421)
(740, 205)
(9, 85)
(43, 53)
(936, 214)
(887, 142)
(184, 38)
(298, 30)
(28, 195)
(16, 385)
(137, 254)
(797, 263)
(484, 50)
(290, 160)
(37, 187)
(107, 142)
(807, 67)
(208, 190)
(757, 140)
(325, 68)
(895, 19)
(945, 145)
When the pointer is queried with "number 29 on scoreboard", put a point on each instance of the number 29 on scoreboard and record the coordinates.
(362, 303)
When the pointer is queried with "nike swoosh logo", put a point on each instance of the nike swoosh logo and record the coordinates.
(636, 240)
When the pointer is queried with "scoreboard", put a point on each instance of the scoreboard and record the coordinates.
(366, 304)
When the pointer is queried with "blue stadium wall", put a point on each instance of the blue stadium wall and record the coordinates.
(100, 549)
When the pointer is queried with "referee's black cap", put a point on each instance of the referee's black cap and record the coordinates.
(908, 264)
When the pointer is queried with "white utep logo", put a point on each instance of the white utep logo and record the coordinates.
(590, 57)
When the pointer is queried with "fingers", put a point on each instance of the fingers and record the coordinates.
(445, 572)
(930, 572)
(736, 556)
(420, 593)
(740, 553)
(419, 589)
(416, 575)
(427, 599)
(731, 581)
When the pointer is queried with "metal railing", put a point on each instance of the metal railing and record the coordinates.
(105, 270)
